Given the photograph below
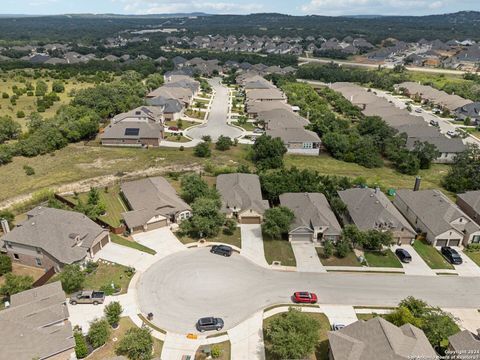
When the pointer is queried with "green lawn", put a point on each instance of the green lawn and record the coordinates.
(248, 126)
(225, 351)
(384, 177)
(382, 259)
(117, 239)
(349, 260)
(367, 316)
(474, 255)
(176, 138)
(279, 250)
(321, 351)
(105, 275)
(184, 124)
(195, 114)
(234, 239)
(431, 255)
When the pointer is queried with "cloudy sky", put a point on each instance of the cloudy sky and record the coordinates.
(295, 7)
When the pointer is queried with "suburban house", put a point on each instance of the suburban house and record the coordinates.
(281, 118)
(314, 218)
(470, 111)
(465, 345)
(153, 203)
(378, 339)
(54, 238)
(178, 87)
(272, 94)
(36, 325)
(469, 202)
(253, 108)
(172, 109)
(297, 140)
(370, 209)
(241, 197)
(433, 213)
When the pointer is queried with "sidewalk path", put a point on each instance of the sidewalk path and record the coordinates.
(247, 339)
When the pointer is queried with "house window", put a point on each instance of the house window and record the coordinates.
(476, 239)
(38, 261)
(39, 251)
(308, 145)
(16, 257)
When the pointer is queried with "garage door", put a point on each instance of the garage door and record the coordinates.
(442, 242)
(454, 243)
(250, 220)
(104, 241)
(157, 225)
(301, 237)
(96, 248)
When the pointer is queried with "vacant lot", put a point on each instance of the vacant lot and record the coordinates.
(321, 351)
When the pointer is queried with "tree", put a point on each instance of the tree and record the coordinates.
(154, 81)
(9, 129)
(202, 150)
(230, 226)
(5, 264)
(136, 344)
(277, 221)
(376, 240)
(343, 248)
(292, 335)
(223, 143)
(112, 313)
(58, 86)
(192, 187)
(72, 278)
(268, 152)
(426, 153)
(206, 220)
(15, 284)
(98, 333)
(81, 349)
(41, 88)
(464, 174)
(34, 121)
(402, 315)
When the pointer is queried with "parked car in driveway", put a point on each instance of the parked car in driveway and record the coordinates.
(221, 250)
(87, 297)
(209, 323)
(336, 327)
(304, 297)
(418, 110)
(258, 131)
(452, 133)
(451, 255)
(403, 255)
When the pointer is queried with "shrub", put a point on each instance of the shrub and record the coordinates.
(29, 171)
(5, 95)
(98, 333)
(230, 226)
(136, 344)
(90, 267)
(328, 249)
(5, 264)
(343, 248)
(202, 150)
(215, 351)
(81, 349)
(72, 278)
(181, 148)
(207, 138)
(112, 313)
(20, 114)
(223, 143)
(15, 284)
(109, 290)
(473, 247)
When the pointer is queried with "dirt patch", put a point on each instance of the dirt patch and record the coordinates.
(18, 269)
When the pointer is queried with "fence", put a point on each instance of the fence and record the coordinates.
(44, 278)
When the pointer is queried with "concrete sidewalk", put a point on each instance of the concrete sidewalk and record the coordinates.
(247, 339)
(176, 346)
(252, 244)
(307, 257)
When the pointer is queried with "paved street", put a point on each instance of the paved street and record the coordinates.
(306, 257)
(191, 284)
(217, 119)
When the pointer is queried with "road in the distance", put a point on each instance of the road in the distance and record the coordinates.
(217, 119)
(191, 284)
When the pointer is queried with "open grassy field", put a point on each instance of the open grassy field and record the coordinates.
(384, 177)
(321, 351)
(108, 350)
(430, 255)
(382, 259)
(27, 104)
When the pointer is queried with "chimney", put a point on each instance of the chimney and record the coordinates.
(418, 181)
(5, 226)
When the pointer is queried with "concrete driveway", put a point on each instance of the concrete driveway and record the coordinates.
(252, 243)
(306, 257)
(192, 284)
(162, 240)
(417, 266)
(468, 267)
(217, 118)
(125, 256)
(339, 314)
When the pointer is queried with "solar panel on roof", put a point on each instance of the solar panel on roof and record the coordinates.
(132, 131)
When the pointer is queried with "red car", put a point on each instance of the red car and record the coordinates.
(304, 297)
(173, 128)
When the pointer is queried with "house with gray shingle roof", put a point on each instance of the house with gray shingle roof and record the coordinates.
(241, 197)
(314, 219)
(36, 325)
(469, 202)
(434, 214)
(54, 238)
(297, 140)
(465, 345)
(153, 203)
(370, 209)
(378, 339)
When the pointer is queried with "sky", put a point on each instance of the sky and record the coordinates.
(294, 7)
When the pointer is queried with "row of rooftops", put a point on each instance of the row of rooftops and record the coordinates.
(414, 127)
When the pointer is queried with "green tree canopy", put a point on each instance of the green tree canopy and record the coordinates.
(98, 333)
(136, 344)
(464, 175)
(16, 283)
(72, 278)
(277, 221)
(268, 152)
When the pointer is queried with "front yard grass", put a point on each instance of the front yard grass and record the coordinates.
(175, 138)
(278, 250)
(430, 255)
(117, 239)
(382, 259)
(183, 123)
(234, 239)
(248, 126)
(225, 350)
(474, 255)
(108, 350)
(195, 114)
(321, 351)
(349, 260)
(106, 274)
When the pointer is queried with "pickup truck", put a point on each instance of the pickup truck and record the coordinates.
(87, 297)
